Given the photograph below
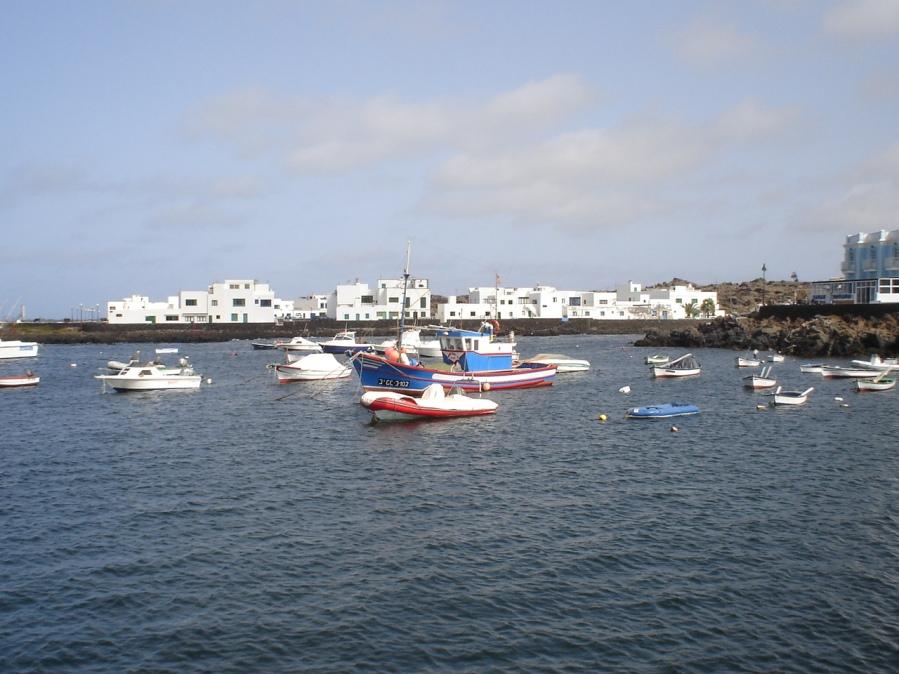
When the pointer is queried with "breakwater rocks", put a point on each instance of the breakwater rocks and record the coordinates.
(821, 335)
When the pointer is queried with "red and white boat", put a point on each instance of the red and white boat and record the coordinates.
(432, 404)
(18, 380)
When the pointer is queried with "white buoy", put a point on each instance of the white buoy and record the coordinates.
(674, 429)
(208, 380)
(839, 399)
(73, 364)
(624, 389)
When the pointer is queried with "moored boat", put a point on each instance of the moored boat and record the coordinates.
(782, 397)
(263, 346)
(432, 404)
(562, 363)
(745, 361)
(811, 368)
(762, 379)
(478, 362)
(299, 344)
(14, 348)
(878, 364)
(775, 358)
(657, 359)
(28, 378)
(152, 377)
(837, 371)
(684, 366)
(342, 342)
(879, 383)
(313, 366)
(662, 411)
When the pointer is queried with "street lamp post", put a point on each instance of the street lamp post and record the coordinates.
(764, 282)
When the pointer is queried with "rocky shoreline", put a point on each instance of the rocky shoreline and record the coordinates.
(819, 336)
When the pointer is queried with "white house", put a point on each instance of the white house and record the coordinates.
(229, 301)
(870, 271)
(628, 301)
(358, 302)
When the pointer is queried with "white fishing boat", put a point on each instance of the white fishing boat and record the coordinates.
(745, 361)
(563, 363)
(312, 367)
(760, 380)
(877, 364)
(432, 404)
(837, 371)
(152, 377)
(14, 348)
(28, 378)
(657, 359)
(775, 358)
(300, 344)
(167, 349)
(811, 368)
(684, 366)
(879, 383)
(342, 342)
(782, 397)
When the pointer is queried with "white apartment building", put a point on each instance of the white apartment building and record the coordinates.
(628, 301)
(358, 302)
(229, 301)
(311, 306)
(871, 268)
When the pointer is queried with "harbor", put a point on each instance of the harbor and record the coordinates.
(274, 518)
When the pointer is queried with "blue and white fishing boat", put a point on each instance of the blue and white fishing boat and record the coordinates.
(477, 360)
(478, 363)
(663, 411)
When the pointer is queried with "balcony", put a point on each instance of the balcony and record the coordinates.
(869, 265)
(891, 262)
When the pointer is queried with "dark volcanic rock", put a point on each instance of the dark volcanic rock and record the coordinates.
(835, 336)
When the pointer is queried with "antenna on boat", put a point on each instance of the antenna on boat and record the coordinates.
(399, 337)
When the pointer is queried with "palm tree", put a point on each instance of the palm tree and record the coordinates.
(691, 310)
(707, 307)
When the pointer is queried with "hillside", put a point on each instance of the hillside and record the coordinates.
(746, 296)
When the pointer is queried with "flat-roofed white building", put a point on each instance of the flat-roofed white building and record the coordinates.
(310, 307)
(359, 302)
(628, 301)
(229, 301)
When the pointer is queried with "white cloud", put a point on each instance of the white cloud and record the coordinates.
(751, 120)
(710, 43)
(862, 19)
(338, 134)
(866, 199)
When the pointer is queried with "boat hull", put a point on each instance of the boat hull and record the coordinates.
(662, 372)
(17, 349)
(388, 406)
(862, 385)
(343, 348)
(759, 382)
(661, 411)
(287, 374)
(153, 383)
(379, 374)
(19, 381)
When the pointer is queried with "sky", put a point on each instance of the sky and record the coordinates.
(152, 146)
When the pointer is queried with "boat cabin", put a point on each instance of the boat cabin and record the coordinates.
(474, 351)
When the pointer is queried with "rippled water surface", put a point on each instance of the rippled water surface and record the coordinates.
(255, 527)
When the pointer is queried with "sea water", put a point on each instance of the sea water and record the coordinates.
(251, 526)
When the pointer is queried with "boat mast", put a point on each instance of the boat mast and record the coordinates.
(399, 337)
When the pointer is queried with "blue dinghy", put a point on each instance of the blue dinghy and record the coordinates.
(663, 411)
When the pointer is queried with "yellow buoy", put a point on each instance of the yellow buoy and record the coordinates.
(602, 417)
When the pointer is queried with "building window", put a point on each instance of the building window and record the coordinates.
(234, 318)
(234, 286)
(452, 314)
(393, 300)
(238, 302)
(215, 303)
(246, 286)
(473, 314)
(150, 319)
(190, 303)
(423, 303)
(346, 317)
(170, 318)
(265, 303)
(368, 299)
(574, 301)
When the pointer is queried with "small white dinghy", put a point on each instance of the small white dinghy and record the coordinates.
(433, 404)
(761, 380)
(300, 344)
(28, 378)
(782, 397)
(879, 383)
(562, 363)
(312, 367)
